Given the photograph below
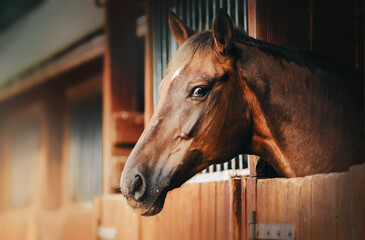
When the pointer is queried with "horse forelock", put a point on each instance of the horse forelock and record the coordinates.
(195, 47)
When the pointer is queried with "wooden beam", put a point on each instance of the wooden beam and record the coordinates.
(86, 52)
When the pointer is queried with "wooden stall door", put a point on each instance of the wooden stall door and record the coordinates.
(323, 206)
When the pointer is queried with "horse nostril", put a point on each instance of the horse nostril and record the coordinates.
(138, 187)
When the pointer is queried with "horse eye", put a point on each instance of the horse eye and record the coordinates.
(199, 91)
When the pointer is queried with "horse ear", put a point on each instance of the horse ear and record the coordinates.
(180, 31)
(222, 31)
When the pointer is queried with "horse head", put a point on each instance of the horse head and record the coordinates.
(200, 118)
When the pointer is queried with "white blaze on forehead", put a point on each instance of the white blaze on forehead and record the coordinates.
(176, 74)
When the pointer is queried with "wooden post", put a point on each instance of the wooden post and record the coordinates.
(251, 193)
(252, 18)
(235, 202)
(122, 84)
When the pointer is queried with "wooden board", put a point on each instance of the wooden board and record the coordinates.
(262, 201)
(222, 213)
(305, 209)
(207, 210)
(251, 198)
(318, 203)
(344, 190)
(330, 220)
(196, 217)
(235, 209)
(357, 202)
(244, 213)
(285, 201)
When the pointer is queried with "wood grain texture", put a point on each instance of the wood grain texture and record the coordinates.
(207, 210)
(330, 220)
(357, 201)
(262, 201)
(305, 210)
(235, 208)
(222, 220)
(244, 213)
(343, 204)
(251, 198)
(196, 205)
(318, 204)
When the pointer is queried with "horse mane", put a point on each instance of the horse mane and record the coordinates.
(301, 57)
(198, 45)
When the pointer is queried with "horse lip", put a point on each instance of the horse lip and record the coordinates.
(157, 205)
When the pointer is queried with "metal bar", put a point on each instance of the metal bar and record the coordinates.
(207, 20)
(236, 8)
(193, 15)
(214, 8)
(200, 17)
(233, 163)
(245, 15)
(241, 162)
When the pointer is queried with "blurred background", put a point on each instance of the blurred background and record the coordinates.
(78, 83)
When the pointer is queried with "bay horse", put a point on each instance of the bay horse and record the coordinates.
(225, 93)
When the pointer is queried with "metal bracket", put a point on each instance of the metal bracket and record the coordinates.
(269, 231)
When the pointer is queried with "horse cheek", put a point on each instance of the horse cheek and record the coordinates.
(189, 123)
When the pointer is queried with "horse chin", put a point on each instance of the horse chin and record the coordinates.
(157, 205)
(146, 209)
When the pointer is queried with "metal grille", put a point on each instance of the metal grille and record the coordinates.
(86, 150)
(199, 15)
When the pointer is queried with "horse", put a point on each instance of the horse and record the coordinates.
(225, 93)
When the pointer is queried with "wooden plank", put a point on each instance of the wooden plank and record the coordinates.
(344, 221)
(293, 201)
(222, 222)
(70, 60)
(362, 201)
(271, 200)
(304, 230)
(235, 208)
(184, 212)
(195, 208)
(253, 160)
(278, 22)
(357, 208)
(283, 201)
(318, 203)
(262, 201)
(330, 221)
(148, 66)
(261, 19)
(207, 210)
(244, 213)
(252, 18)
(228, 208)
(251, 198)
(167, 227)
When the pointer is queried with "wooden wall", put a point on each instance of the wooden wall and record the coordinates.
(194, 211)
(330, 28)
(324, 206)
(51, 211)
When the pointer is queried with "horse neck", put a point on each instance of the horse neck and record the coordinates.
(294, 102)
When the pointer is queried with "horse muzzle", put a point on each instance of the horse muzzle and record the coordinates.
(145, 199)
